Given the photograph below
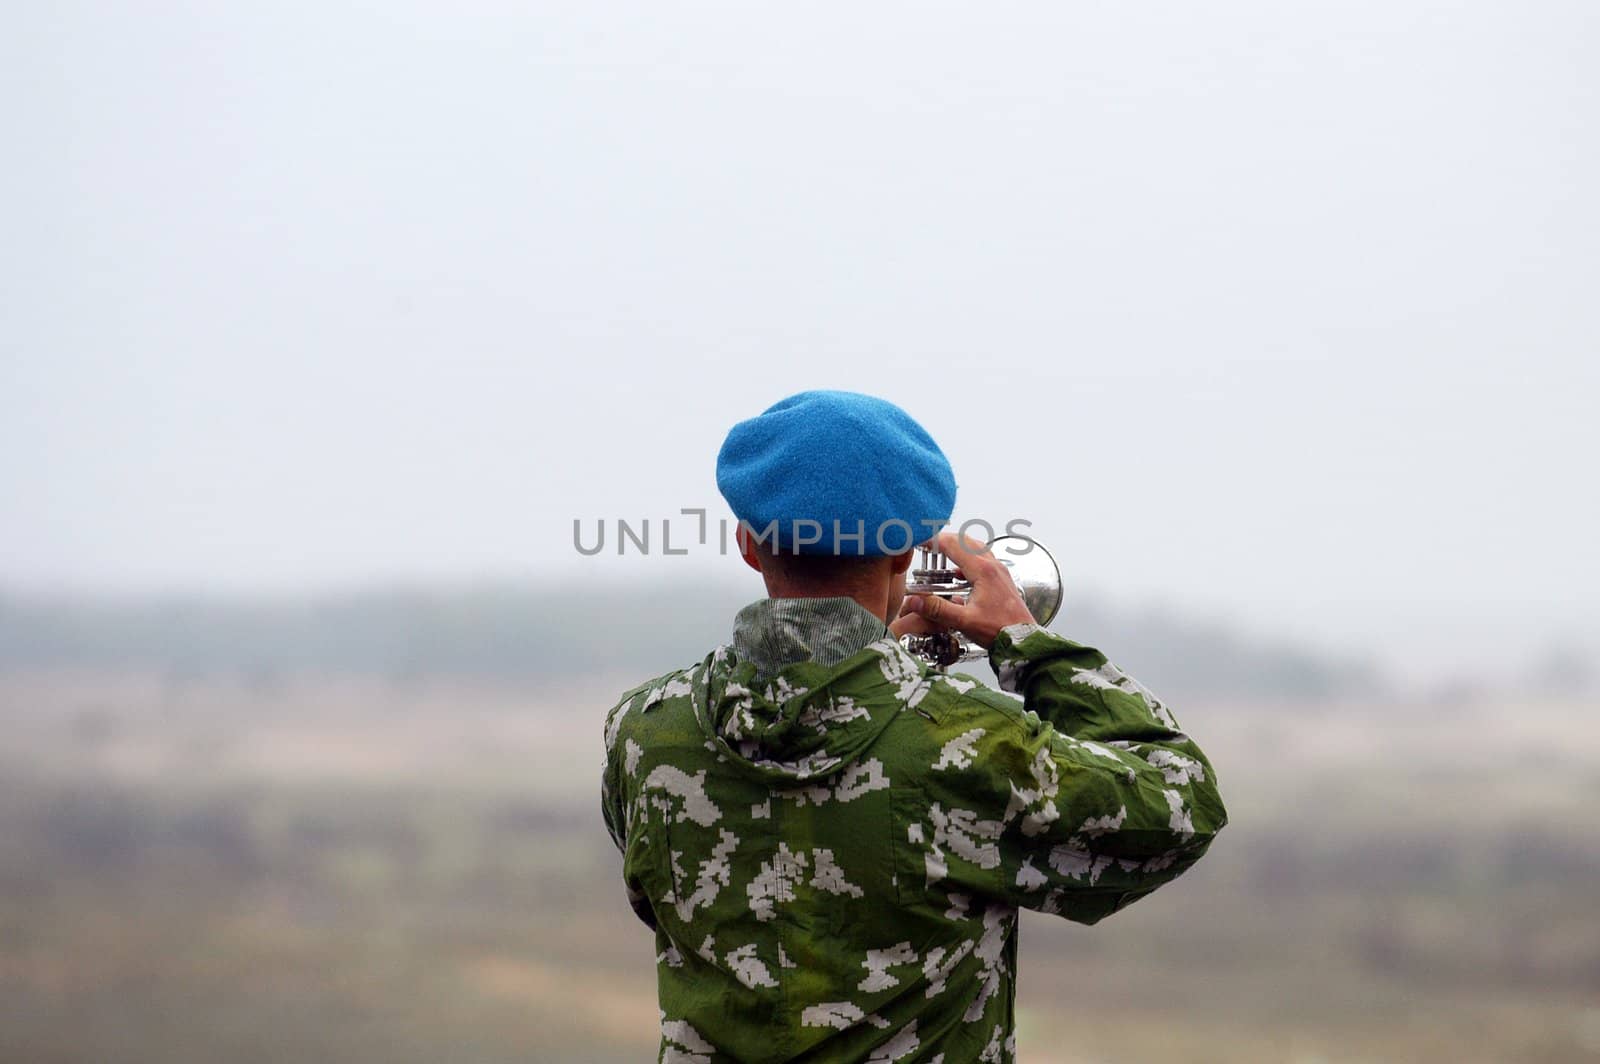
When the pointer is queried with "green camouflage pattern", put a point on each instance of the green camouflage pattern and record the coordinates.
(831, 841)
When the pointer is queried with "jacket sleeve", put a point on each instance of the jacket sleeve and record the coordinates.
(614, 811)
(611, 795)
(611, 807)
(1093, 797)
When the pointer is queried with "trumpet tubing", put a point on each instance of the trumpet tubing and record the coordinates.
(1032, 569)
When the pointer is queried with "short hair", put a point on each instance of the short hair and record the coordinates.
(817, 570)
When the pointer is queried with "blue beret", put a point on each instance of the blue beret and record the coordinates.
(836, 473)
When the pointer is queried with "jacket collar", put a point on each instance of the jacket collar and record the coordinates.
(775, 632)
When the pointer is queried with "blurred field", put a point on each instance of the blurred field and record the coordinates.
(293, 868)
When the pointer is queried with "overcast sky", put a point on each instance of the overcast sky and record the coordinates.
(1280, 313)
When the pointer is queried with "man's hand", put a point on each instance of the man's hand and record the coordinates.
(992, 604)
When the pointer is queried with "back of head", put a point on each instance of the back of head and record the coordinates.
(835, 474)
(814, 575)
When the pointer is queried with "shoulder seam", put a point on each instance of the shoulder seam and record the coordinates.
(650, 684)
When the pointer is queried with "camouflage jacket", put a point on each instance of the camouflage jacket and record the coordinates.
(831, 841)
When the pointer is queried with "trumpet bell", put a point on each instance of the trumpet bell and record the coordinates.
(1035, 573)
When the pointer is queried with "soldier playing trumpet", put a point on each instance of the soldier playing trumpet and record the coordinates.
(830, 838)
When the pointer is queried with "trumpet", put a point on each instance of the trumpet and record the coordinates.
(1032, 569)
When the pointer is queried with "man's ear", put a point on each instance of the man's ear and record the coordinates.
(747, 547)
(901, 562)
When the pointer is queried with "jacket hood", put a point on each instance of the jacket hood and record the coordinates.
(809, 720)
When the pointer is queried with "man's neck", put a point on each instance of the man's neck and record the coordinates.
(873, 599)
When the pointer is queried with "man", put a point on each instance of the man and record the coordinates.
(830, 840)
